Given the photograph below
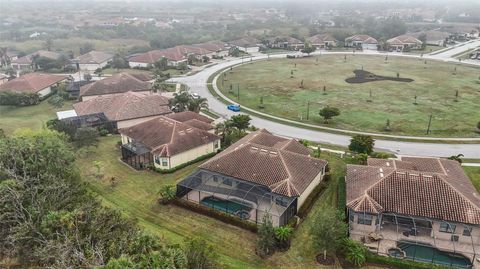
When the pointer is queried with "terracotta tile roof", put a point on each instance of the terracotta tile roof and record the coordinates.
(404, 40)
(189, 115)
(288, 39)
(93, 57)
(167, 137)
(432, 35)
(245, 42)
(425, 187)
(173, 54)
(32, 82)
(254, 159)
(190, 49)
(142, 76)
(124, 106)
(27, 59)
(212, 46)
(118, 83)
(321, 38)
(366, 39)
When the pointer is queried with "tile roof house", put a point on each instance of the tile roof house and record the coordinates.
(39, 83)
(322, 41)
(263, 172)
(118, 83)
(433, 37)
(166, 143)
(403, 42)
(92, 60)
(174, 57)
(126, 109)
(287, 42)
(246, 44)
(366, 42)
(216, 48)
(428, 200)
(26, 61)
(194, 119)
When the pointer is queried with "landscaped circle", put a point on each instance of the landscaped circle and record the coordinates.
(401, 90)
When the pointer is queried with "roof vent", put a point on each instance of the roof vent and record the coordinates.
(381, 170)
(181, 132)
(273, 153)
(264, 150)
(189, 130)
(381, 174)
(254, 148)
(388, 163)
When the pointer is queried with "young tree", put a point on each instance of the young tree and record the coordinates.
(457, 158)
(56, 101)
(328, 113)
(98, 72)
(161, 64)
(328, 230)
(308, 49)
(283, 235)
(199, 254)
(86, 137)
(266, 237)
(48, 44)
(362, 144)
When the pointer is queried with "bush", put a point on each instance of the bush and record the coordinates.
(381, 155)
(199, 254)
(362, 144)
(355, 252)
(103, 132)
(9, 98)
(222, 216)
(167, 193)
(183, 165)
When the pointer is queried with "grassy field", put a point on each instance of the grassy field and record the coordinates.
(434, 84)
(474, 174)
(136, 192)
(33, 117)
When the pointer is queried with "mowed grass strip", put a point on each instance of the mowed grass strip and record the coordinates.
(435, 86)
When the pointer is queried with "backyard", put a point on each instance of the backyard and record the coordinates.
(136, 193)
(363, 106)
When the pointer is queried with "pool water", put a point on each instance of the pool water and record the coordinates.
(224, 205)
(433, 255)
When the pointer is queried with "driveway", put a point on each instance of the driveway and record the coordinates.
(198, 84)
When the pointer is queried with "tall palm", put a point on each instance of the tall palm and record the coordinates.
(195, 104)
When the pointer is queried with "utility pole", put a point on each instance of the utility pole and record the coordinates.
(429, 124)
(308, 109)
(238, 91)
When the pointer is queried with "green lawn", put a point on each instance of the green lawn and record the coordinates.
(474, 174)
(33, 117)
(136, 194)
(434, 84)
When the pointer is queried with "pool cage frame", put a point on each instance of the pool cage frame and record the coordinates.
(419, 235)
(137, 155)
(260, 199)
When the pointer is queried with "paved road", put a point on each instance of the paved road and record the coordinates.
(198, 84)
(449, 53)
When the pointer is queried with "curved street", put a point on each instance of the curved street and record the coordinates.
(198, 83)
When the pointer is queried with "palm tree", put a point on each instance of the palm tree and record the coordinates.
(224, 128)
(283, 234)
(195, 104)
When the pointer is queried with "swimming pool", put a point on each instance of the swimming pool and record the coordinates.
(433, 255)
(227, 206)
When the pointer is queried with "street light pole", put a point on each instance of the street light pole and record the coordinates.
(308, 109)
(429, 124)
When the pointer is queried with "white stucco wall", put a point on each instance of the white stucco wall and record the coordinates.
(137, 64)
(309, 189)
(92, 67)
(44, 92)
(188, 155)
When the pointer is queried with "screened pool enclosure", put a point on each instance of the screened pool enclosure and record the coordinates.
(246, 200)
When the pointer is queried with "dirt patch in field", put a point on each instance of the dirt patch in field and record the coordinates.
(362, 76)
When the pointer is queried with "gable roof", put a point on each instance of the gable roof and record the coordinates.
(117, 83)
(321, 38)
(404, 40)
(245, 42)
(173, 54)
(212, 46)
(189, 115)
(366, 39)
(416, 186)
(27, 59)
(166, 137)
(268, 160)
(31, 82)
(93, 57)
(124, 106)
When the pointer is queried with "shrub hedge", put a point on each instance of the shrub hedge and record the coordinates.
(399, 263)
(210, 212)
(183, 165)
(19, 99)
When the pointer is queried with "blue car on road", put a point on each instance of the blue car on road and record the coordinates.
(235, 108)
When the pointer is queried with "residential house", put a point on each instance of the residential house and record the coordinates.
(195, 120)
(322, 41)
(365, 42)
(174, 57)
(428, 202)
(165, 143)
(261, 173)
(27, 62)
(38, 83)
(92, 60)
(432, 37)
(216, 48)
(126, 109)
(8, 58)
(403, 43)
(288, 43)
(246, 44)
(118, 83)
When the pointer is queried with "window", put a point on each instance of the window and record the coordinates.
(454, 238)
(350, 216)
(217, 145)
(467, 231)
(364, 219)
(446, 227)
(157, 160)
(164, 162)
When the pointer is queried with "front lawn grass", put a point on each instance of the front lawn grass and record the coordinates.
(33, 117)
(435, 85)
(135, 193)
(474, 174)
